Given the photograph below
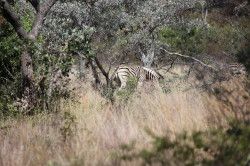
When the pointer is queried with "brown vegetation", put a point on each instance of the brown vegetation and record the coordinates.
(90, 130)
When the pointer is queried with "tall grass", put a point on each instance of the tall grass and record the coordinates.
(89, 129)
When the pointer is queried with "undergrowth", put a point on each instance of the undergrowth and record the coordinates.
(213, 147)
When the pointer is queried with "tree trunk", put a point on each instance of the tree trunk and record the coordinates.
(97, 80)
(104, 73)
(28, 87)
(10, 14)
(148, 58)
(81, 67)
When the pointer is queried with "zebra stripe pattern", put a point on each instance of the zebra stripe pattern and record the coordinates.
(141, 73)
(237, 69)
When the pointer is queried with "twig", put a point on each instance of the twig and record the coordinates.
(189, 71)
(171, 65)
(189, 57)
(3, 78)
(9, 73)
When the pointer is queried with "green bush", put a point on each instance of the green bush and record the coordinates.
(186, 41)
(204, 40)
(68, 127)
(10, 76)
(215, 147)
(125, 94)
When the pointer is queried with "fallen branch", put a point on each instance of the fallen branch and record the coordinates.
(189, 57)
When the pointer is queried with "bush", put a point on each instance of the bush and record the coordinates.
(183, 40)
(193, 40)
(69, 125)
(125, 94)
(10, 76)
(215, 147)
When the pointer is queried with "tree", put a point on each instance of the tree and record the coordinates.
(147, 18)
(132, 24)
(118, 27)
(40, 10)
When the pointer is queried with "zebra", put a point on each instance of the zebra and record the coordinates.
(123, 73)
(236, 69)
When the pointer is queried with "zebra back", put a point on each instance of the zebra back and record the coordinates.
(142, 73)
(129, 71)
(236, 69)
(151, 74)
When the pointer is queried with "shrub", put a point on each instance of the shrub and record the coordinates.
(124, 94)
(194, 40)
(215, 147)
(9, 70)
(69, 125)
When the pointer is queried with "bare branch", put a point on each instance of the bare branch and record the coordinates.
(189, 70)
(106, 74)
(189, 57)
(95, 73)
(171, 65)
(9, 73)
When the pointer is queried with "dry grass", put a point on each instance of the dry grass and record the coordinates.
(99, 128)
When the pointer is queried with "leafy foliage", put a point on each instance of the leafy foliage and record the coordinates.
(215, 147)
(74, 30)
(68, 126)
(125, 94)
(188, 41)
(9, 70)
(193, 40)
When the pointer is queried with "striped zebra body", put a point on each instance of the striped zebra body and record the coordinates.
(236, 69)
(123, 73)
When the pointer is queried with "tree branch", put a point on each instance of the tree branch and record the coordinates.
(94, 71)
(35, 4)
(171, 65)
(11, 16)
(9, 73)
(106, 74)
(189, 57)
(143, 56)
(42, 12)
